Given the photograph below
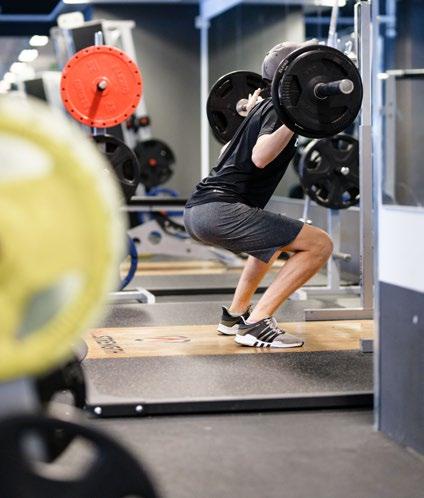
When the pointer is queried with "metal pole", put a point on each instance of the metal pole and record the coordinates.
(98, 40)
(332, 31)
(363, 14)
(333, 265)
(203, 24)
(333, 216)
(378, 67)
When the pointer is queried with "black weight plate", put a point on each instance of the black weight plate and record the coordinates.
(123, 162)
(293, 92)
(223, 97)
(68, 377)
(302, 142)
(329, 171)
(156, 160)
(114, 472)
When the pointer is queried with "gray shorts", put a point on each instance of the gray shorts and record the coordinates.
(240, 228)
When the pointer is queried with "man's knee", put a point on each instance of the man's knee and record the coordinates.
(322, 245)
(314, 240)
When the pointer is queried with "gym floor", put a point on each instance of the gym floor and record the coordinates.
(176, 353)
(271, 455)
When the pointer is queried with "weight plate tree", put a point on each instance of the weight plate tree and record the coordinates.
(156, 160)
(61, 236)
(329, 171)
(317, 91)
(123, 162)
(101, 86)
(225, 114)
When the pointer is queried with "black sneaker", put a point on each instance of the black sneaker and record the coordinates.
(266, 334)
(229, 325)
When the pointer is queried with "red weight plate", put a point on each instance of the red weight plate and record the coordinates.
(101, 86)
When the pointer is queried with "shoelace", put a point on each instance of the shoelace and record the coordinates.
(273, 325)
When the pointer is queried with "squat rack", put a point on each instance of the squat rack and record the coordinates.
(362, 24)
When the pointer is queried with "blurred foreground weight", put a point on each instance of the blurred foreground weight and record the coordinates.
(101, 86)
(61, 237)
(329, 171)
(67, 378)
(110, 471)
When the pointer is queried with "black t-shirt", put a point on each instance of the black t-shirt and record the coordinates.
(236, 178)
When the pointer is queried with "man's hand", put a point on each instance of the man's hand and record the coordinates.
(253, 99)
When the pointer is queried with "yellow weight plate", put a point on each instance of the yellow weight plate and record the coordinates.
(61, 236)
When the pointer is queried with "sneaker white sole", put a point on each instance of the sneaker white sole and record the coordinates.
(250, 340)
(223, 329)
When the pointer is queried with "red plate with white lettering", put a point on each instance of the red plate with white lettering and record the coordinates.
(101, 86)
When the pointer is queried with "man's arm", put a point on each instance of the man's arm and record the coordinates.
(268, 147)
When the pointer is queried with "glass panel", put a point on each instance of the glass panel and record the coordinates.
(402, 73)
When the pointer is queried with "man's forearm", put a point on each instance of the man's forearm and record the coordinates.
(268, 147)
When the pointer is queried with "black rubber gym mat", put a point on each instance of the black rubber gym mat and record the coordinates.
(196, 283)
(156, 378)
(186, 313)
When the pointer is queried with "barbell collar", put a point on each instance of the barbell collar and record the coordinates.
(340, 87)
(344, 170)
(241, 107)
(342, 256)
(102, 85)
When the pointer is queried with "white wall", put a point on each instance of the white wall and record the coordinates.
(401, 247)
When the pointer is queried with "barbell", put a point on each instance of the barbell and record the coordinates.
(316, 92)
